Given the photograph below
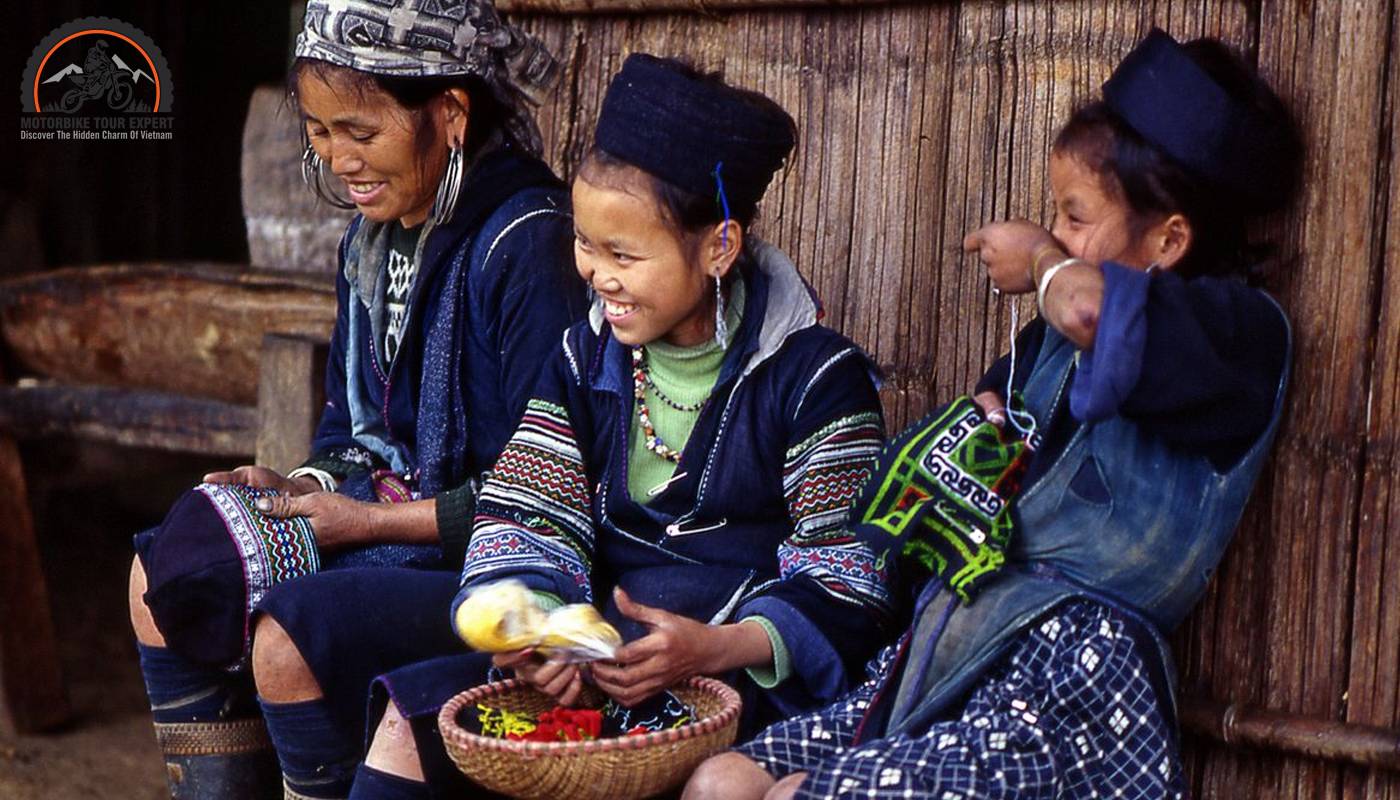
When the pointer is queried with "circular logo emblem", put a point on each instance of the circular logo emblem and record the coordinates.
(97, 66)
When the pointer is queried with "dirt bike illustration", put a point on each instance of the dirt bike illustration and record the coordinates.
(116, 85)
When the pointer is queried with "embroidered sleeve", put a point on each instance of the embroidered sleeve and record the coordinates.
(830, 601)
(533, 520)
(821, 477)
(1069, 713)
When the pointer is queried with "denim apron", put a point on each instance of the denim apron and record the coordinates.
(1119, 518)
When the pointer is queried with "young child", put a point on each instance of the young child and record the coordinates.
(690, 452)
(1154, 381)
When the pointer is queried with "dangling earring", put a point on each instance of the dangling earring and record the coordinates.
(314, 177)
(721, 329)
(450, 188)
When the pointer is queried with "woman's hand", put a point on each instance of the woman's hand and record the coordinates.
(336, 520)
(1010, 250)
(264, 478)
(563, 682)
(675, 648)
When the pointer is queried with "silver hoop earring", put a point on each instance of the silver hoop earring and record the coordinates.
(449, 188)
(721, 329)
(313, 175)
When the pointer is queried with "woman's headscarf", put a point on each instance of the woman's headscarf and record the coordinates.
(432, 39)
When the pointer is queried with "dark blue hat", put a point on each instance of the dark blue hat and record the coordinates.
(211, 561)
(681, 127)
(1174, 104)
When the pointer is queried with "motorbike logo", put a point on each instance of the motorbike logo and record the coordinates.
(97, 65)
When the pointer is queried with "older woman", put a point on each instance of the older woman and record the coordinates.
(453, 286)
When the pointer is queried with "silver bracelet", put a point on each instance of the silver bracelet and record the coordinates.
(1049, 275)
(327, 480)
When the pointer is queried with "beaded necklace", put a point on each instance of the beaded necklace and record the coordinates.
(640, 381)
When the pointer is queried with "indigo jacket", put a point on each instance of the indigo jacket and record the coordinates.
(494, 290)
(753, 522)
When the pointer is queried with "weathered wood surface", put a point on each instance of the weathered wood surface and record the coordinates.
(186, 329)
(131, 417)
(32, 696)
(288, 229)
(1270, 731)
(290, 396)
(663, 6)
(921, 121)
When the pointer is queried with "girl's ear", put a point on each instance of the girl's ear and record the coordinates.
(1170, 240)
(723, 244)
(455, 115)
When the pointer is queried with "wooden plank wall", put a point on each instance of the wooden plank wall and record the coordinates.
(921, 121)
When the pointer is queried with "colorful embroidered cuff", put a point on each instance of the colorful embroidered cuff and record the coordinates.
(769, 676)
(454, 510)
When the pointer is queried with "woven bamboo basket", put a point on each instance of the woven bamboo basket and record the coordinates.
(606, 769)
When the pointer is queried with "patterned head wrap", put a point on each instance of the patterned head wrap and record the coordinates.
(434, 39)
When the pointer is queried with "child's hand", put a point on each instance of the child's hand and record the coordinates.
(1009, 250)
(675, 648)
(563, 682)
(993, 408)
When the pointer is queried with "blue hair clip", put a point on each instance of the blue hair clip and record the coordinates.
(723, 203)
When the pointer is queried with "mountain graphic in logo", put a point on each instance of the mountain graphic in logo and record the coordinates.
(97, 66)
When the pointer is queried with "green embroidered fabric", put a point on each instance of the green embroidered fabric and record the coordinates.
(940, 498)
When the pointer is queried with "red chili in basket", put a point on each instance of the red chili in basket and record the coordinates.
(563, 725)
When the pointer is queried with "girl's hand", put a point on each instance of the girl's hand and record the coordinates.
(993, 408)
(1009, 249)
(563, 682)
(336, 520)
(264, 478)
(676, 648)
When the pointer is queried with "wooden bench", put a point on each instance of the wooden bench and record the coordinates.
(215, 359)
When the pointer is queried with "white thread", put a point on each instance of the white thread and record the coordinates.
(1013, 415)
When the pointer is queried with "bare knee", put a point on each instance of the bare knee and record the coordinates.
(141, 620)
(393, 749)
(279, 670)
(728, 776)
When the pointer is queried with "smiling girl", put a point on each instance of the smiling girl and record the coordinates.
(1155, 379)
(453, 286)
(688, 457)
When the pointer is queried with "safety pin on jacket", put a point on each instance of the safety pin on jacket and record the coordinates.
(674, 529)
